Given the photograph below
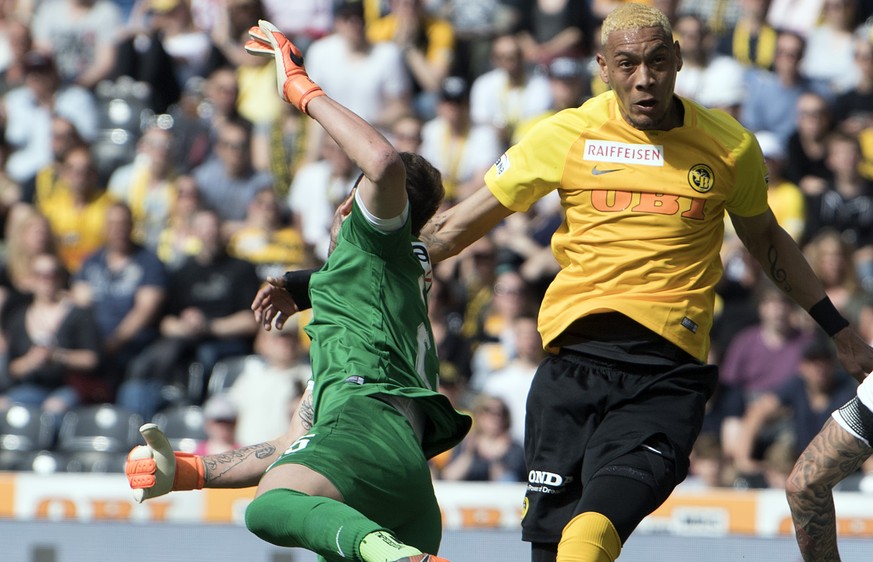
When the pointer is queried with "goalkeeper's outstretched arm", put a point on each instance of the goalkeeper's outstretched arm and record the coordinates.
(154, 469)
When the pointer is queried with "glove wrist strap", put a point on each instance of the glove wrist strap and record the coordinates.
(300, 91)
(190, 474)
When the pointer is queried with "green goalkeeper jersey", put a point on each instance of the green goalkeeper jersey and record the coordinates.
(370, 330)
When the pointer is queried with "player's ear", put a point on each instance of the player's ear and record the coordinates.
(601, 63)
(678, 54)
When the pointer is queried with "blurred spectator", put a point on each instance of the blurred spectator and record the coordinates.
(751, 41)
(370, 79)
(29, 111)
(494, 339)
(81, 35)
(215, 103)
(47, 182)
(177, 240)
(15, 43)
(512, 383)
(446, 319)
(806, 151)
(303, 21)
(461, 150)
(847, 203)
(230, 29)
(830, 257)
(257, 101)
(771, 96)
(10, 190)
(853, 110)
(554, 28)
(256, 76)
(207, 318)
(318, 188)
(267, 390)
(708, 466)
(219, 424)
(141, 56)
(488, 453)
(762, 357)
(190, 48)
(829, 46)
(405, 133)
(707, 77)
(785, 198)
(570, 86)
(147, 185)
(427, 43)
(454, 387)
(717, 15)
(524, 239)
(471, 277)
(126, 286)
(53, 346)
(28, 234)
(476, 24)
(78, 213)
(265, 239)
(797, 16)
(736, 308)
(280, 146)
(510, 93)
(228, 181)
(803, 403)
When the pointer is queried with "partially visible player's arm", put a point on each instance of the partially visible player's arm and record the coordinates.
(451, 231)
(832, 455)
(786, 266)
(154, 469)
(383, 190)
(244, 467)
(279, 298)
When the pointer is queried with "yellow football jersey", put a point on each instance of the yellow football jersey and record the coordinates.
(644, 213)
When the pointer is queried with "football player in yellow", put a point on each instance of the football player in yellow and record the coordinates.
(646, 178)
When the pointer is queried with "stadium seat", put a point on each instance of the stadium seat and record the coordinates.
(103, 428)
(95, 461)
(183, 426)
(38, 462)
(25, 428)
(226, 371)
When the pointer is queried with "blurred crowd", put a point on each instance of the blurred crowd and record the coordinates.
(151, 178)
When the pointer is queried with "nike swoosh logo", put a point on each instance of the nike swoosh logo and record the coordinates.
(596, 172)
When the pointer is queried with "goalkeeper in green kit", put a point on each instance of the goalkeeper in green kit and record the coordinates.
(350, 479)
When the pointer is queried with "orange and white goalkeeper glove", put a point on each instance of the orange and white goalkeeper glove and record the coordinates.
(155, 469)
(295, 86)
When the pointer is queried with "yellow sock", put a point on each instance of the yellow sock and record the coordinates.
(589, 537)
(381, 546)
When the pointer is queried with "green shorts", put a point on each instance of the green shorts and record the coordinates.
(369, 451)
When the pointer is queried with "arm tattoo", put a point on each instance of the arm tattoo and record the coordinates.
(776, 272)
(216, 466)
(833, 455)
(306, 412)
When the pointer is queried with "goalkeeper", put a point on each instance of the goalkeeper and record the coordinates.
(350, 479)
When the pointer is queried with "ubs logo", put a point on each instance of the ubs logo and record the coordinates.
(701, 178)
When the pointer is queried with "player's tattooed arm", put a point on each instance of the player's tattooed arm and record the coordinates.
(830, 457)
(306, 412)
(239, 467)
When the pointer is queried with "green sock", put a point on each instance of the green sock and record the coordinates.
(327, 527)
(381, 546)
